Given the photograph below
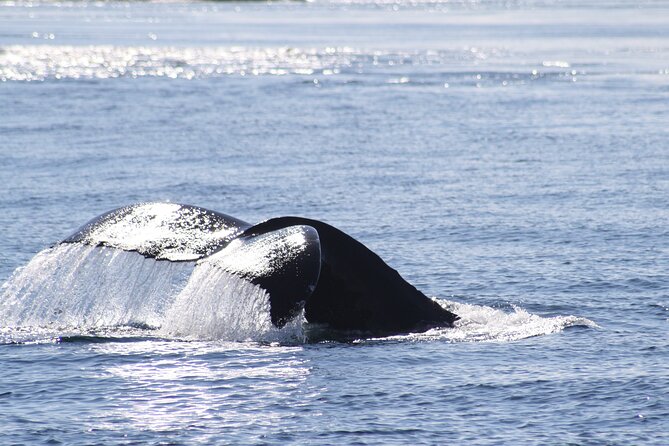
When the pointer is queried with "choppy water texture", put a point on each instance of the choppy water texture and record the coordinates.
(510, 159)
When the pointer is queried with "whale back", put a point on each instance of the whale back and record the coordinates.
(357, 290)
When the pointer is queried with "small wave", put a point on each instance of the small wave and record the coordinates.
(465, 66)
(30, 335)
(480, 323)
(27, 335)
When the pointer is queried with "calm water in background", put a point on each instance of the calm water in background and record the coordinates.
(510, 158)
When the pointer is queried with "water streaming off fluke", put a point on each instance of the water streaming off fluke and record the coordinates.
(76, 285)
(216, 304)
(80, 288)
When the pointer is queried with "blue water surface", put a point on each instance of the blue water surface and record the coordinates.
(510, 159)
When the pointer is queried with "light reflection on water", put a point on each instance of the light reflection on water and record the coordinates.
(466, 65)
(190, 385)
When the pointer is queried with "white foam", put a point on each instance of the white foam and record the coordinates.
(480, 323)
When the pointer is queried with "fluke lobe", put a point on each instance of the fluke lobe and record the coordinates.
(301, 263)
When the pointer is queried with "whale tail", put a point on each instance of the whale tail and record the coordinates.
(300, 263)
(356, 289)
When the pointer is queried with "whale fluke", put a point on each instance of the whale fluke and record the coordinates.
(300, 262)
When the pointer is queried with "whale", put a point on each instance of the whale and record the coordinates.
(304, 265)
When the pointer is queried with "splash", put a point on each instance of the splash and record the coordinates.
(81, 290)
(239, 312)
(74, 285)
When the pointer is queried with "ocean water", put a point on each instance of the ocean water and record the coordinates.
(509, 158)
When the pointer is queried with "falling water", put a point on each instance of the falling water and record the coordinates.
(82, 289)
(73, 285)
(216, 304)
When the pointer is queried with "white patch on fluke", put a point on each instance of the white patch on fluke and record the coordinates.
(165, 230)
(261, 255)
